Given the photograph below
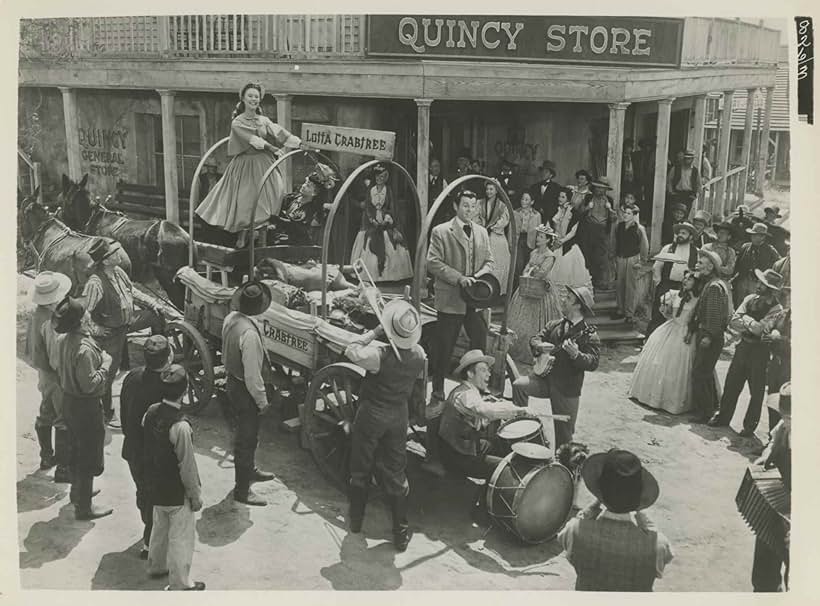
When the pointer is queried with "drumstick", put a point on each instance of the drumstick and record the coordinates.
(561, 418)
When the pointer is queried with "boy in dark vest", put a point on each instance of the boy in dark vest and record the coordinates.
(383, 415)
(172, 484)
(142, 387)
(612, 545)
(631, 252)
(670, 264)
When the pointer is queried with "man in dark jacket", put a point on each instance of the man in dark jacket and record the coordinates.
(576, 350)
(142, 387)
(757, 255)
(778, 235)
(545, 192)
(683, 184)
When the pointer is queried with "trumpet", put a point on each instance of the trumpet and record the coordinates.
(374, 297)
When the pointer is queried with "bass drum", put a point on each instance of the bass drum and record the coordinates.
(516, 431)
(530, 497)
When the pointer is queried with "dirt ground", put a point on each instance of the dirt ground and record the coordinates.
(299, 541)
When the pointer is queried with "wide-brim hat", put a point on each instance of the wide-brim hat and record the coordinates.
(702, 215)
(770, 278)
(758, 229)
(158, 352)
(482, 291)
(401, 323)
(679, 206)
(685, 225)
(50, 287)
(601, 182)
(252, 298)
(101, 250)
(68, 315)
(725, 226)
(689, 153)
(773, 209)
(619, 480)
(782, 401)
(472, 357)
(715, 259)
(584, 295)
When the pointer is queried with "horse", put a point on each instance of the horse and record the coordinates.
(157, 248)
(58, 248)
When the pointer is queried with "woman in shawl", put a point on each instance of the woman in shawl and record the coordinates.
(229, 204)
(493, 214)
(570, 268)
(380, 243)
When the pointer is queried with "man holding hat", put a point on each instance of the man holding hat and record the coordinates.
(41, 348)
(109, 298)
(700, 221)
(380, 427)
(172, 484)
(683, 184)
(244, 356)
(612, 544)
(751, 353)
(458, 258)
(708, 324)
(670, 264)
(777, 235)
(142, 387)
(83, 370)
(757, 255)
(576, 347)
(545, 192)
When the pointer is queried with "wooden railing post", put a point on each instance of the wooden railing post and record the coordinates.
(36, 173)
(164, 34)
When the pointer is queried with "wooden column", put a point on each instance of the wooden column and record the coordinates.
(615, 148)
(763, 147)
(661, 158)
(747, 144)
(284, 118)
(698, 118)
(724, 139)
(423, 153)
(72, 133)
(169, 155)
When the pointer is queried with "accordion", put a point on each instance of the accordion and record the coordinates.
(765, 505)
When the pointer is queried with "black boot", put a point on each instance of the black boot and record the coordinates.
(46, 450)
(62, 454)
(358, 501)
(83, 509)
(401, 528)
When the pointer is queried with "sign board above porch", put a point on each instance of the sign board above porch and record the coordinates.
(589, 40)
(377, 143)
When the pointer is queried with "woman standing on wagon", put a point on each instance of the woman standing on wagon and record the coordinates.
(230, 203)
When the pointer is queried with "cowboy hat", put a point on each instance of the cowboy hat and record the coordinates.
(584, 295)
(50, 287)
(680, 207)
(689, 154)
(770, 278)
(702, 215)
(482, 291)
(600, 182)
(782, 401)
(401, 323)
(158, 353)
(713, 257)
(471, 358)
(619, 481)
(759, 229)
(684, 225)
(252, 298)
(68, 315)
(725, 226)
(773, 209)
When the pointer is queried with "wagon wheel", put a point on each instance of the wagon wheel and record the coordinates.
(330, 407)
(192, 352)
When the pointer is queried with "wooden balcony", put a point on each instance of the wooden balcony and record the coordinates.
(714, 42)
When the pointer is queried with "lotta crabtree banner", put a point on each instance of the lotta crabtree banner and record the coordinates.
(377, 143)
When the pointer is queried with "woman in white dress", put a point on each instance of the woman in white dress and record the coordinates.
(493, 214)
(663, 375)
(570, 267)
(380, 242)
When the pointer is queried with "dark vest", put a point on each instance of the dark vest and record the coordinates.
(162, 479)
(693, 258)
(140, 388)
(455, 428)
(392, 385)
(108, 312)
(757, 308)
(627, 241)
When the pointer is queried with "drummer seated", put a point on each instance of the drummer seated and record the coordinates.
(466, 413)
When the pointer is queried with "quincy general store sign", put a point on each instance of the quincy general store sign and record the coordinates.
(650, 42)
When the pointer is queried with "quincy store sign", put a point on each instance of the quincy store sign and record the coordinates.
(647, 41)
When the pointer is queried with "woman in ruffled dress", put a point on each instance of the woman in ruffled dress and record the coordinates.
(304, 211)
(229, 204)
(530, 310)
(380, 242)
(570, 267)
(663, 376)
(493, 214)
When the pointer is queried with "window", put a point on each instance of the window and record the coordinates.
(188, 152)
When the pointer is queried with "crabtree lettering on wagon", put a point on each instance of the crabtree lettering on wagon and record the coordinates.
(458, 33)
(599, 39)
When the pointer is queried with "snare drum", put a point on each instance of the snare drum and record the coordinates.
(511, 432)
(530, 496)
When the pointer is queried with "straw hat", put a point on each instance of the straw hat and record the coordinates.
(770, 278)
(758, 229)
(50, 287)
(601, 182)
(471, 358)
(401, 323)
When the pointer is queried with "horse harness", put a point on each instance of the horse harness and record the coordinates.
(40, 230)
(122, 221)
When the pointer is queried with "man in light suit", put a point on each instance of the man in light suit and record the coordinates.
(459, 253)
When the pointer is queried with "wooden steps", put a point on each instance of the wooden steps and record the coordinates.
(612, 332)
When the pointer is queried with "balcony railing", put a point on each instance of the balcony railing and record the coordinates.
(725, 42)
(278, 36)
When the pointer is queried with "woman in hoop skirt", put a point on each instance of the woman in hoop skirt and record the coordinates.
(380, 243)
(229, 204)
(493, 214)
(570, 267)
(528, 315)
